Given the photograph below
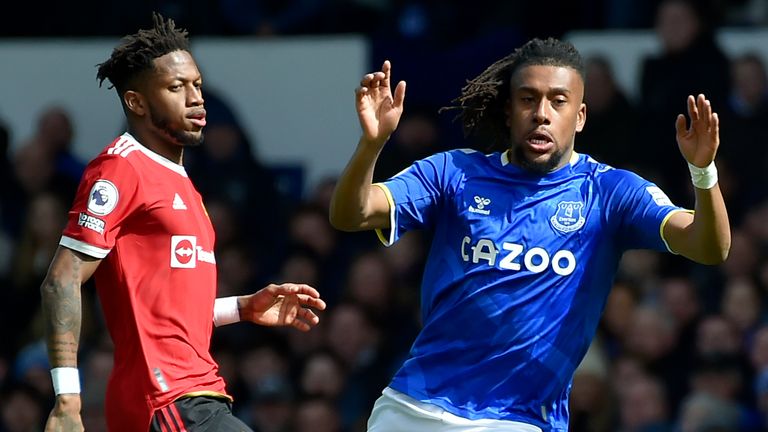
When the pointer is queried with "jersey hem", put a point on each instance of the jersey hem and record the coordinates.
(206, 393)
(83, 247)
(455, 411)
(379, 232)
(664, 223)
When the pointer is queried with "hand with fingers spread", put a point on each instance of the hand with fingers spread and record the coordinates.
(282, 305)
(700, 141)
(378, 109)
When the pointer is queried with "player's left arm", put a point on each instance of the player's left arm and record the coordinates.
(287, 304)
(705, 235)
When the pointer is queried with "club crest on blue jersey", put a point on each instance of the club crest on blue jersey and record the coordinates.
(568, 217)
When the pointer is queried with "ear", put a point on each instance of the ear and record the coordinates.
(581, 117)
(135, 102)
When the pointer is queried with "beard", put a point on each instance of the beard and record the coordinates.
(543, 167)
(185, 138)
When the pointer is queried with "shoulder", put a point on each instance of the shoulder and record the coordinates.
(466, 159)
(603, 172)
(451, 160)
(114, 161)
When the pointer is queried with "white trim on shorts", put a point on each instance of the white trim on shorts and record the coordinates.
(397, 412)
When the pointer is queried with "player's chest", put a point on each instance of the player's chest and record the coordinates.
(175, 207)
(528, 214)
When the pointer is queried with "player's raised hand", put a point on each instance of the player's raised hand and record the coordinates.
(700, 141)
(378, 109)
(282, 305)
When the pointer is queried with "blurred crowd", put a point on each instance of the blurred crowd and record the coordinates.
(681, 347)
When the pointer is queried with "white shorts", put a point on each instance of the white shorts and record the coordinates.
(397, 412)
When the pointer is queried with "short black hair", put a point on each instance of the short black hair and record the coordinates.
(481, 103)
(135, 53)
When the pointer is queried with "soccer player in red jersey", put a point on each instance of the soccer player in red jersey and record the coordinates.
(139, 227)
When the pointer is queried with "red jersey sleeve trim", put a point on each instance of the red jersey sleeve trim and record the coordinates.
(83, 247)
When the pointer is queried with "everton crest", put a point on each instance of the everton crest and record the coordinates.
(568, 217)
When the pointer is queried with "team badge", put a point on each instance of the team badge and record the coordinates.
(103, 198)
(568, 217)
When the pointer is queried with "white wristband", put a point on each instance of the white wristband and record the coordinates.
(703, 178)
(225, 311)
(66, 380)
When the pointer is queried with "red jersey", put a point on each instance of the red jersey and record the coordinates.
(141, 214)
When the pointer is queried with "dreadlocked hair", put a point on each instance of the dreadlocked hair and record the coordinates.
(482, 100)
(135, 53)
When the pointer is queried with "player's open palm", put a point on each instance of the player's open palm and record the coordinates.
(699, 142)
(378, 109)
(283, 305)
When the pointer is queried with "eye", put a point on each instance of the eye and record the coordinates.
(559, 102)
(526, 99)
(175, 87)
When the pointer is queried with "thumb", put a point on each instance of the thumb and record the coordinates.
(399, 95)
(680, 125)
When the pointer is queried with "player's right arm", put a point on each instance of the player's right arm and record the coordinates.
(357, 204)
(61, 302)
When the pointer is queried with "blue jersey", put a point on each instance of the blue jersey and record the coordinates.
(517, 276)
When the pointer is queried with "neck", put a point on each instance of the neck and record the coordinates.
(159, 144)
(569, 157)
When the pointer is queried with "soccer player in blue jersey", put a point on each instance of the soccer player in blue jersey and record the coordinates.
(526, 241)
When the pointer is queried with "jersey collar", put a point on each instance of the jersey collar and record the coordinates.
(507, 164)
(173, 166)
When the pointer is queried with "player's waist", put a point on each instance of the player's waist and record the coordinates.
(446, 413)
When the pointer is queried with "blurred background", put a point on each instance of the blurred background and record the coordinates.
(681, 347)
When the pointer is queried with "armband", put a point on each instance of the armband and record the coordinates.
(66, 380)
(225, 311)
(703, 178)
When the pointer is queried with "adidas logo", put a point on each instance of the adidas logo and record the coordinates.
(178, 204)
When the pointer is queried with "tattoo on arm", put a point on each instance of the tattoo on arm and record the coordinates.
(61, 300)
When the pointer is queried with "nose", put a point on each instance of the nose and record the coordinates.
(195, 96)
(541, 115)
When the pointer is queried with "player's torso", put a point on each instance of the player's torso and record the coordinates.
(518, 236)
(520, 227)
(506, 270)
(158, 283)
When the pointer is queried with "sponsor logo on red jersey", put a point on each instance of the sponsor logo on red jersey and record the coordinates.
(185, 253)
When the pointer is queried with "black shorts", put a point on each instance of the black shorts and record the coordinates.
(197, 414)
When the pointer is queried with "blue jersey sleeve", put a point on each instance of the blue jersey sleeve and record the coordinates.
(415, 194)
(641, 209)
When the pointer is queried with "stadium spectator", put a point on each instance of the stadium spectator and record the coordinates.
(690, 60)
(609, 135)
(744, 125)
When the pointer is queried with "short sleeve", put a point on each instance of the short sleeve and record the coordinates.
(414, 195)
(642, 210)
(105, 197)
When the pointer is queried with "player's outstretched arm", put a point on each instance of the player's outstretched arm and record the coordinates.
(356, 204)
(287, 304)
(705, 236)
(61, 303)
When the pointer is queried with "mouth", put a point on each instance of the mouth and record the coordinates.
(539, 141)
(197, 118)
